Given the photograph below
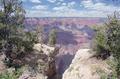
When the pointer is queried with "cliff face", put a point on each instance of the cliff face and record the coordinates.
(84, 66)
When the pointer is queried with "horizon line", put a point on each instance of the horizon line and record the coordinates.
(64, 17)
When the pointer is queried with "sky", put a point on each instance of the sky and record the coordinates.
(70, 8)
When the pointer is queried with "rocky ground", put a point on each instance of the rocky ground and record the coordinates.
(39, 64)
(85, 66)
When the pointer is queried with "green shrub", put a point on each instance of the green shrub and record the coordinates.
(40, 34)
(101, 73)
(15, 42)
(16, 47)
(12, 75)
(112, 64)
(113, 39)
(52, 37)
(100, 43)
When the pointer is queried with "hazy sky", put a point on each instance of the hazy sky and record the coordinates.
(70, 8)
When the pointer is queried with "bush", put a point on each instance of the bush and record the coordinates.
(100, 43)
(12, 75)
(52, 37)
(108, 40)
(112, 64)
(16, 47)
(40, 34)
(113, 39)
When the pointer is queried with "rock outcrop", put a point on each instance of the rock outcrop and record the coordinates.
(49, 61)
(85, 66)
(41, 63)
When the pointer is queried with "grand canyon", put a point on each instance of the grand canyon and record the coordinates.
(59, 39)
(73, 33)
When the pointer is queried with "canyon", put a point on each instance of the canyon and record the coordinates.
(72, 34)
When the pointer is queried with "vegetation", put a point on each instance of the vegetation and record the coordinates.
(107, 40)
(15, 42)
(112, 64)
(113, 38)
(100, 42)
(102, 73)
(12, 75)
(40, 34)
(52, 37)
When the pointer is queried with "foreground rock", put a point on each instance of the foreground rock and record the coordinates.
(41, 63)
(84, 66)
